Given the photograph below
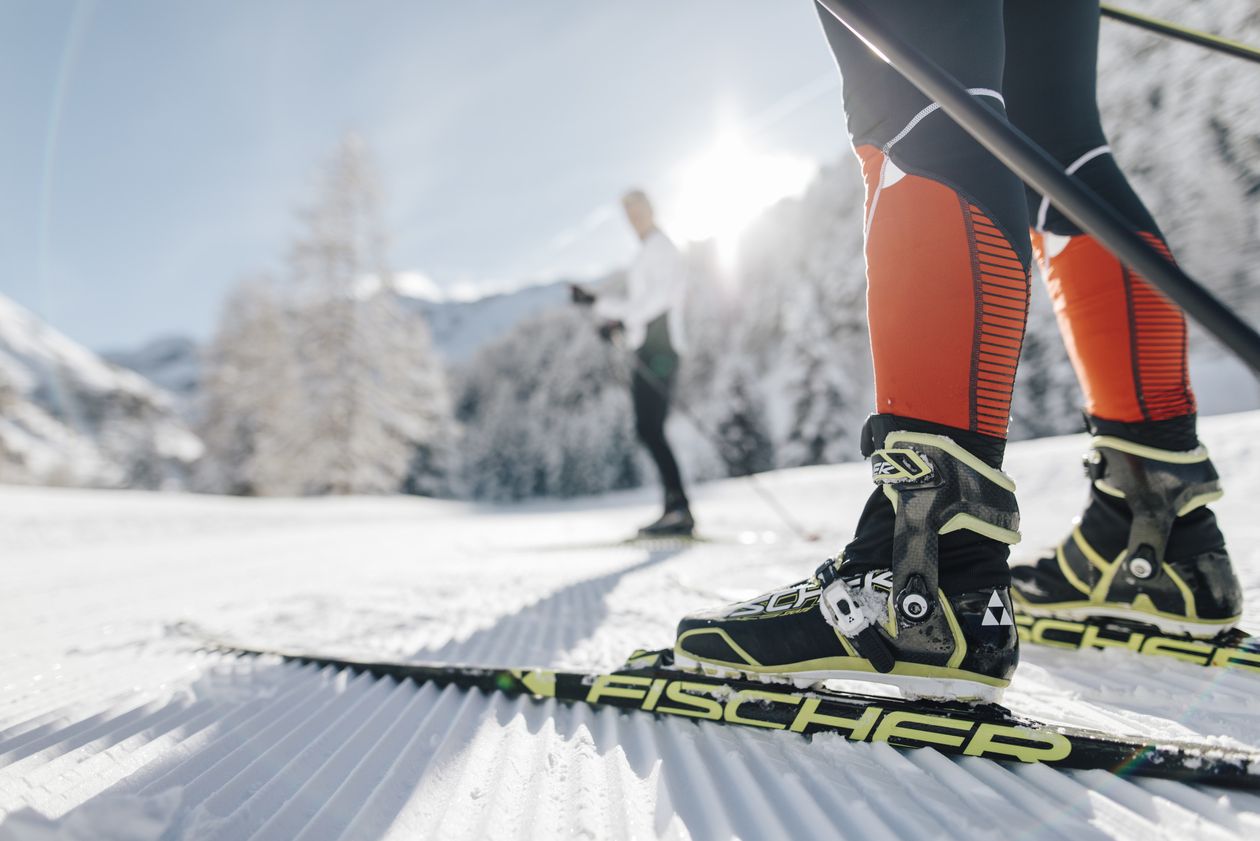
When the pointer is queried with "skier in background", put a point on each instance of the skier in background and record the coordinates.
(650, 316)
(922, 594)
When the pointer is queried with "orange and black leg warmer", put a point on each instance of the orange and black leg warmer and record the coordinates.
(947, 250)
(1126, 341)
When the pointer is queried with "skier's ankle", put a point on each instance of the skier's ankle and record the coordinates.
(1174, 434)
(967, 559)
(988, 448)
(1108, 518)
(676, 501)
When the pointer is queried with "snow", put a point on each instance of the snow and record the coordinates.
(113, 725)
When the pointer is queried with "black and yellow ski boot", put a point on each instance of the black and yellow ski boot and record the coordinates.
(1147, 549)
(883, 612)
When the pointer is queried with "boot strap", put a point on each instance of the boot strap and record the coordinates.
(1158, 486)
(843, 612)
(936, 487)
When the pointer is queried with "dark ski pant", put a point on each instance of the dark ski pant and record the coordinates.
(650, 392)
(947, 225)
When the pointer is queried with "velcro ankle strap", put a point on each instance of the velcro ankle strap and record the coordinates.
(843, 612)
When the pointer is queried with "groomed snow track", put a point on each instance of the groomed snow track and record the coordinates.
(114, 725)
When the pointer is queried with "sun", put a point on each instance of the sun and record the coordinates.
(722, 190)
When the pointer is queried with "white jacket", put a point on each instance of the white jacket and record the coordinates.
(656, 284)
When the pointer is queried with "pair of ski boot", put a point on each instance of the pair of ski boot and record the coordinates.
(922, 597)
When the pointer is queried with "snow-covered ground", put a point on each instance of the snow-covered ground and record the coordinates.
(112, 725)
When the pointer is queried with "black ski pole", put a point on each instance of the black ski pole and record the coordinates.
(1182, 33)
(715, 440)
(1044, 174)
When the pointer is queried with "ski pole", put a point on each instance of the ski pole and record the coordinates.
(1182, 33)
(1044, 174)
(715, 440)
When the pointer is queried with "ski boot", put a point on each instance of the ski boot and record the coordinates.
(888, 619)
(1147, 550)
(675, 522)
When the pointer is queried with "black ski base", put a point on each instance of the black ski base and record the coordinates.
(649, 683)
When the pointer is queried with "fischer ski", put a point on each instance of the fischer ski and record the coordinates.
(648, 682)
(1232, 649)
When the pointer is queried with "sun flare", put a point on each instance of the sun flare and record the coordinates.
(720, 191)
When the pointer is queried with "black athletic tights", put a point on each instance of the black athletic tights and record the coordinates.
(1040, 55)
(651, 407)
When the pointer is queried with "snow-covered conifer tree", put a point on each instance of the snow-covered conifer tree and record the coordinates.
(251, 399)
(328, 382)
(546, 411)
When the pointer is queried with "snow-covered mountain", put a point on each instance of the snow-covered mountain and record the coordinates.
(67, 417)
(172, 363)
(459, 328)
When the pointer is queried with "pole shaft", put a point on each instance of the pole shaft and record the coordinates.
(1044, 174)
(1182, 33)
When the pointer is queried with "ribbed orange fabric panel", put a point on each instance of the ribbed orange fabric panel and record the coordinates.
(947, 299)
(1126, 340)
(1002, 310)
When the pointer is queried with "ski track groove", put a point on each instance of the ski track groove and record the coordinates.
(517, 752)
(933, 806)
(199, 773)
(331, 808)
(92, 763)
(308, 797)
(956, 781)
(105, 703)
(385, 799)
(297, 761)
(536, 720)
(237, 778)
(444, 768)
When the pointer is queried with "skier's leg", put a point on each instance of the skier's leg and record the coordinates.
(1127, 343)
(1126, 340)
(651, 408)
(947, 259)
(920, 593)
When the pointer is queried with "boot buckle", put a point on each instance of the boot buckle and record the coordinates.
(843, 613)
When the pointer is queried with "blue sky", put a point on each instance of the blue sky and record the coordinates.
(153, 152)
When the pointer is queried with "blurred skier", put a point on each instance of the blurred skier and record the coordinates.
(650, 316)
(921, 597)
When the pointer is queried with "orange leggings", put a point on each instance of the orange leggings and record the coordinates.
(949, 302)
(947, 297)
(1126, 340)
